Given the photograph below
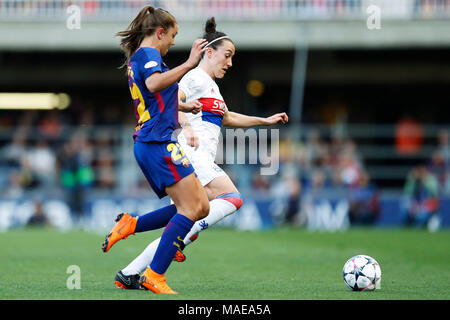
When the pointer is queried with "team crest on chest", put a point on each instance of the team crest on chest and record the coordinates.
(185, 162)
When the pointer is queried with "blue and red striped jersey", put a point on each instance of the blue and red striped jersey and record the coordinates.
(156, 112)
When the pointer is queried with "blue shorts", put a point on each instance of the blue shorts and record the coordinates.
(163, 164)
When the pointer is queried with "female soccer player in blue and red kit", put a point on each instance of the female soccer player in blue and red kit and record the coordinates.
(154, 90)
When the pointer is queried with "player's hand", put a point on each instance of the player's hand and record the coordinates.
(191, 137)
(277, 118)
(191, 106)
(198, 47)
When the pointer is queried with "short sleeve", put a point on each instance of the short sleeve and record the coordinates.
(150, 63)
(191, 86)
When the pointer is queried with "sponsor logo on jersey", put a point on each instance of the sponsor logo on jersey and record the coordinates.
(150, 64)
(213, 105)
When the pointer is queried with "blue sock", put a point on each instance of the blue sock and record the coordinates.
(171, 239)
(155, 219)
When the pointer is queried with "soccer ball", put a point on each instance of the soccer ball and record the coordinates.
(362, 272)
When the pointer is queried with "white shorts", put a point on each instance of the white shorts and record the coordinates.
(205, 168)
(203, 162)
(202, 159)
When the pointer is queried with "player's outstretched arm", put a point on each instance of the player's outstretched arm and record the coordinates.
(234, 119)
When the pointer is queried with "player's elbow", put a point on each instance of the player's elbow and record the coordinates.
(153, 83)
(152, 87)
(227, 120)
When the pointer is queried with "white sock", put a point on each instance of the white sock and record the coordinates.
(141, 262)
(218, 209)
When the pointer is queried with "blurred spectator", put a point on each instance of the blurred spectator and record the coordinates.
(292, 156)
(104, 138)
(76, 171)
(444, 145)
(15, 150)
(50, 126)
(348, 167)
(315, 149)
(260, 183)
(364, 202)
(42, 162)
(439, 164)
(421, 197)
(38, 218)
(336, 147)
(26, 174)
(104, 163)
(310, 195)
(408, 136)
(294, 189)
(291, 150)
(318, 182)
(14, 187)
(103, 160)
(75, 168)
(287, 189)
(439, 169)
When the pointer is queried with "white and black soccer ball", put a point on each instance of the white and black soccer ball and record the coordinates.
(362, 272)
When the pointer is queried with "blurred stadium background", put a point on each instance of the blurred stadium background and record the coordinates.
(368, 137)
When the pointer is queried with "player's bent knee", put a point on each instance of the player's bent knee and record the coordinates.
(198, 208)
(203, 210)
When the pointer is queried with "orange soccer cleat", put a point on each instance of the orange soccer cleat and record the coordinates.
(179, 256)
(124, 227)
(155, 282)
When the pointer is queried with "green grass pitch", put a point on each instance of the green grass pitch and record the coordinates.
(224, 264)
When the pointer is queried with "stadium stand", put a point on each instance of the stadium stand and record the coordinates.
(82, 156)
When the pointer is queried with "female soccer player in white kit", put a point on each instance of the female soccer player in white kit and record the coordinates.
(200, 137)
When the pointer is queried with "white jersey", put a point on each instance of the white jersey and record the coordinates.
(198, 85)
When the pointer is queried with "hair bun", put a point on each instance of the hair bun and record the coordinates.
(210, 26)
